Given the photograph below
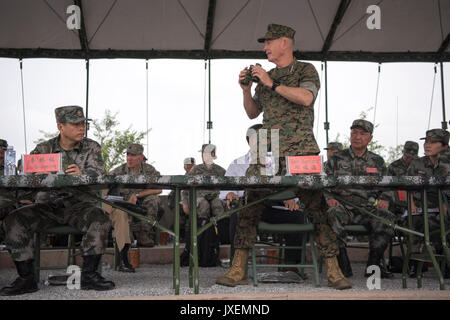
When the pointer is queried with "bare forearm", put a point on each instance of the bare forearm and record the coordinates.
(148, 192)
(250, 106)
(295, 94)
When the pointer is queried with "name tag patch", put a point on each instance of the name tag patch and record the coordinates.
(371, 170)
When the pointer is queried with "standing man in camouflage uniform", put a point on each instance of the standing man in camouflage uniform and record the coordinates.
(62, 206)
(359, 161)
(147, 198)
(285, 95)
(436, 162)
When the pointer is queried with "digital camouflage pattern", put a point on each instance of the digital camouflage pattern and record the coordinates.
(411, 149)
(248, 218)
(275, 31)
(437, 135)
(150, 202)
(346, 163)
(208, 202)
(61, 206)
(424, 167)
(69, 114)
(294, 122)
(398, 168)
(363, 124)
(334, 146)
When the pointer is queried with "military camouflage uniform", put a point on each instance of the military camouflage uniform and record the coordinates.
(424, 167)
(208, 202)
(61, 206)
(296, 138)
(347, 163)
(151, 202)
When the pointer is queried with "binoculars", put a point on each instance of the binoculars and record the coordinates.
(248, 76)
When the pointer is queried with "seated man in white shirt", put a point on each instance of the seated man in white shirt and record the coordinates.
(237, 168)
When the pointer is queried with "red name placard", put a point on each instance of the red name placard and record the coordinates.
(401, 195)
(305, 164)
(41, 162)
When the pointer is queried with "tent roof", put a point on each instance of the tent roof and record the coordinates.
(333, 30)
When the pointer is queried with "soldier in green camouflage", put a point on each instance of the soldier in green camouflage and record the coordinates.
(399, 168)
(208, 202)
(147, 198)
(62, 206)
(285, 95)
(332, 148)
(359, 161)
(436, 162)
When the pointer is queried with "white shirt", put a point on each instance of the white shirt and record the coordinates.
(237, 168)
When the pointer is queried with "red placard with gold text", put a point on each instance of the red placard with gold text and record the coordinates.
(41, 162)
(305, 164)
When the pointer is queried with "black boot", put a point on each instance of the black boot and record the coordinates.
(25, 283)
(125, 265)
(375, 259)
(90, 279)
(344, 262)
(413, 268)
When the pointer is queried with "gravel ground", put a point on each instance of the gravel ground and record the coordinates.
(156, 280)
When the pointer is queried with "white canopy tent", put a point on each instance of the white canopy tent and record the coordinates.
(327, 30)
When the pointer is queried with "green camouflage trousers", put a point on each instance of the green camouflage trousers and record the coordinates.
(207, 209)
(151, 203)
(315, 208)
(379, 233)
(19, 226)
(434, 224)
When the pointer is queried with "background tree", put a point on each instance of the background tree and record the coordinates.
(114, 142)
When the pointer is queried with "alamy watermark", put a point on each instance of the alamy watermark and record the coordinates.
(374, 20)
(374, 281)
(74, 280)
(74, 20)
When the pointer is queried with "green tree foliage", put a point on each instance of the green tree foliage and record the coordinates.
(113, 141)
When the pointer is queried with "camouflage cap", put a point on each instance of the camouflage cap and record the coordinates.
(69, 114)
(363, 124)
(3, 144)
(208, 148)
(334, 146)
(437, 135)
(275, 31)
(189, 161)
(135, 148)
(411, 149)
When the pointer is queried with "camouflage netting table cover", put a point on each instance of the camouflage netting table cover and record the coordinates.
(53, 181)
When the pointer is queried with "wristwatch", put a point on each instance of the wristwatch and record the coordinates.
(275, 84)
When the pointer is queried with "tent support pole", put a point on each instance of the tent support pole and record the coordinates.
(444, 121)
(210, 124)
(326, 123)
(87, 97)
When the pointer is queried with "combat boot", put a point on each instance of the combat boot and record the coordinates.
(144, 240)
(375, 259)
(236, 274)
(344, 262)
(125, 265)
(90, 279)
(335, 277)
(25, 283)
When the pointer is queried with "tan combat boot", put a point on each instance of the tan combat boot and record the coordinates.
(335, 277)
(236, 274)
(144, 240)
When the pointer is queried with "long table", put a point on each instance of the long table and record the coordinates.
(85, 183)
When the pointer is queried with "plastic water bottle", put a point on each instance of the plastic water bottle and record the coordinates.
(10, 161)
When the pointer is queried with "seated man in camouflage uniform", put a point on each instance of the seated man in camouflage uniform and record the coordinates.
(399, 168)
(208, 202)
(359, 161)
(332, 148)
(63, 206)
(147, 198)
(436, 162)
